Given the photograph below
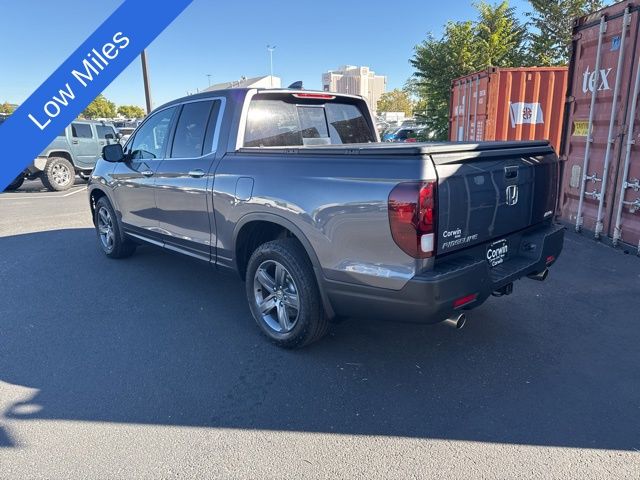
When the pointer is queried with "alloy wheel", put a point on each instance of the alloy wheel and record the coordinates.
(105, 228)
(276, 296)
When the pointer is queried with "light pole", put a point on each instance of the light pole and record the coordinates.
(271, 48)
(145, 78)
(209, 78)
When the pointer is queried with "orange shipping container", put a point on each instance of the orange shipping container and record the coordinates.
(601, 186)
(509, 104)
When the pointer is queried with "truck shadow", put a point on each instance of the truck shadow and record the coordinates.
(159, 339)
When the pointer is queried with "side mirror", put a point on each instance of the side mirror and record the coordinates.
(119, 136)
(109, 136)
(113, 153)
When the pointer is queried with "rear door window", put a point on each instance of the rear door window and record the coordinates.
(81, 130)
(188, 141)
(278, 123)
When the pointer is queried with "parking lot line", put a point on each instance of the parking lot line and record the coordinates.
(20, 197)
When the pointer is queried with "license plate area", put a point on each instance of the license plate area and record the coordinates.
(497, 252)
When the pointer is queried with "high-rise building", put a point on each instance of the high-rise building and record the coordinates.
(356, 81)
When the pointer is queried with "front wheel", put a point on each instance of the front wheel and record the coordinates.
(58, 175)
(283, 295)
(110, 238)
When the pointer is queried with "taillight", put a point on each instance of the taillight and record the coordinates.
(412, 217)
(323, 96)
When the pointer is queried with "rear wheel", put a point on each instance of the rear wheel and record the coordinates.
(110, 237)
(58, 175)
(283, 295)
(15, 185)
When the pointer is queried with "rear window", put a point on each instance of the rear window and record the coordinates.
(105, 132)
(280, 123)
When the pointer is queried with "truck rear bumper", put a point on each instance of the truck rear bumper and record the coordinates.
(430, 297)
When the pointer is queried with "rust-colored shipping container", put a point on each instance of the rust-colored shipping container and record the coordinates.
(509, 104)
(601, 148)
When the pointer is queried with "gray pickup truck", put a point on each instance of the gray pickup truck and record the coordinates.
(74, 151)
(293, 190)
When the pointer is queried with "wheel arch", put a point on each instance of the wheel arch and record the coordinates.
(252, 220)
(61, 153)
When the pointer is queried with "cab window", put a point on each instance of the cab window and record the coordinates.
(81, 130)
(151, 137)
(189, 139)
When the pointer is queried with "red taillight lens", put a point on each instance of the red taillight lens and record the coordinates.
(324, 96)
(412, 216)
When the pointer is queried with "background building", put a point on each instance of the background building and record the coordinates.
(356, 81)
(265, 81)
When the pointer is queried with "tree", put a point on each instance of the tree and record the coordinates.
(494, 39)
(500, 37)
(6, 107)
(396, 101)
(437, 62)
(131, 111)
(100, 108)
(552, 22)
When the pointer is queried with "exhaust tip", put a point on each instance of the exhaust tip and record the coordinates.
(540, 276)
(457, 321)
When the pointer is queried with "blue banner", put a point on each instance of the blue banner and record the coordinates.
(81, 78)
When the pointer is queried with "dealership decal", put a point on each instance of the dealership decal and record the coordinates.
(80, 78)
(455, 237)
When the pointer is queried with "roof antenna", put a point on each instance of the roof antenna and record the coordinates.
(297, 85)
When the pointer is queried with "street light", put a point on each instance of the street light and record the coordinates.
(209, 78)
(271, 48)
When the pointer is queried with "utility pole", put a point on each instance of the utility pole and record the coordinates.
(271, 48)
(209, 78)
(145, 78)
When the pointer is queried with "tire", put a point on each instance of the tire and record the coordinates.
(58, 175)
(285, 262)
(15, 185)
(111, 239)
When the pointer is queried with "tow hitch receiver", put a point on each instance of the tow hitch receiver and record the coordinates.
(506, 290)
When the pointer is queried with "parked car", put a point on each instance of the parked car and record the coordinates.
(125, 133)
(74, 151)
(404, 134)
(292, 190)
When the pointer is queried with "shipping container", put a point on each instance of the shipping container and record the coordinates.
(509, 104)
(601, 147)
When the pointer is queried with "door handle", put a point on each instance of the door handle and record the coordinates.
(75, 142)
(196, 173)
(147, 173)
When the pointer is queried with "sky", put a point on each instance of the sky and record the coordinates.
(226, 40)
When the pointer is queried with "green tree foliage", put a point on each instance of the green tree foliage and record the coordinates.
(100, 108)
(6, 107)
(131, 111)
(500, 38)
(551, 22)
(495, 39)
(396, 101)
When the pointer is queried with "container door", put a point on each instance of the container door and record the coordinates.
(530, 104)
(626, 209)
(601, 81)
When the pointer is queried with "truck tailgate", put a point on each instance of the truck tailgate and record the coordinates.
(486, 195)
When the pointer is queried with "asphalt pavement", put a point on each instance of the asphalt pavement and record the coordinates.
(152, 367)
